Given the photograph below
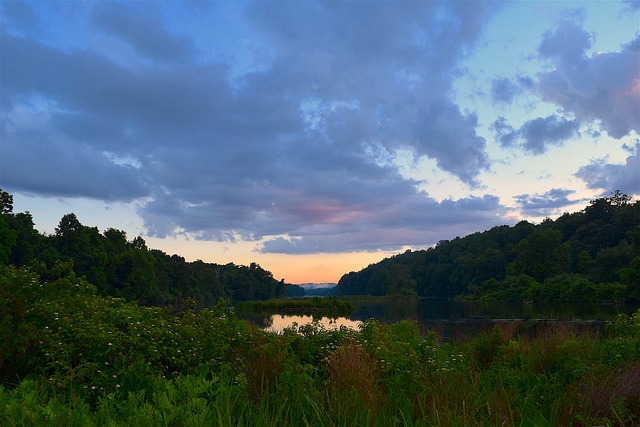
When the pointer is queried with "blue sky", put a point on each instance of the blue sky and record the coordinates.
(315, 137)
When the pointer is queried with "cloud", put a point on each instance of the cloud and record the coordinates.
(504, 90)
(546, 204)
(143, 29)
(17, 16)
(536, 134)
(611, 176)
(417, 222)
(37, 161)
(604, 87)
(504, 132)
(275, 141)
(541, 132)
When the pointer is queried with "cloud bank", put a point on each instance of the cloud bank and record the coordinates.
(280, 124)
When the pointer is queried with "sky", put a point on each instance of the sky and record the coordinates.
(315, 138)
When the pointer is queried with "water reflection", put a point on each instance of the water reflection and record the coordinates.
(279, 322)
(454, 320)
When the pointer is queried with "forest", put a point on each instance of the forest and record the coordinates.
(96, 330)
(127, 268)
(592, 255)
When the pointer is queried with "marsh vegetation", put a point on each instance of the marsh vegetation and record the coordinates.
(73, 357)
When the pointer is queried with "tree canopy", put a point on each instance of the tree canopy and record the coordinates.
(127, 268)
(591, 255)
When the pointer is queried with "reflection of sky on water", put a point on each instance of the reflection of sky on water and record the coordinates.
(279, 322)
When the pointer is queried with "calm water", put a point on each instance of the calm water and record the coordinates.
(459, 320)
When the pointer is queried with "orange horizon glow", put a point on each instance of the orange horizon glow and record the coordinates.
(318, 268)
(294, 269)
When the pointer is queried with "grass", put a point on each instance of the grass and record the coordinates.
(85, 360)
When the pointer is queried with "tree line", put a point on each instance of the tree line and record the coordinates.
(591, 255)
(127, 268)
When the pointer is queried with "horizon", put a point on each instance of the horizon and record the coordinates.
(315, 138)
(303, 284)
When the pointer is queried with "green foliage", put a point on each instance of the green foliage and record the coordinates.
(542, 254)
(293, 291)
(88, 359)
(7, 240)
(128, 269)
(75, 352)
(595, 254)
(7, 234)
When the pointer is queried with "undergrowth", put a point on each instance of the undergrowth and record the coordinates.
(70, 357)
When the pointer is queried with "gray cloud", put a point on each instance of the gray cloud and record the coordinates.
(275, 141)
(541, 132)
(504, 132)
(602, 88)
(18, 16)
(599, 174)
(418, 222)
(504, 90)
(545, 204)
(537, 134)
(142, 27)
(63, 170)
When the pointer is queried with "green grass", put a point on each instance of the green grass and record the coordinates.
(81, 359)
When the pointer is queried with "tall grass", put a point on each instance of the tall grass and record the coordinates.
(105, 362)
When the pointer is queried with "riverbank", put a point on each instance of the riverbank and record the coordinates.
(72, 357)
(318, 306)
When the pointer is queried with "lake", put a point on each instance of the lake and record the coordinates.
(455, 320)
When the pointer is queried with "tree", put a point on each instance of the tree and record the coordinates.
(619, 199)
(139, 243)
(7, 235)
(6, 202)
(7, 240)
(542, 255)
(85, 246)
(116, 240)
(602, 207)
(29, 244)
